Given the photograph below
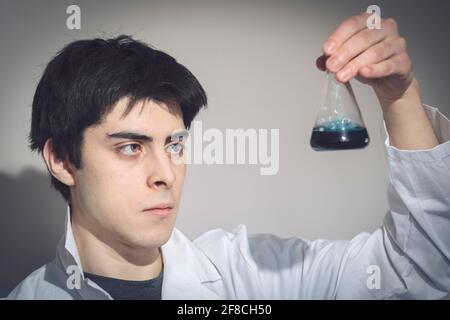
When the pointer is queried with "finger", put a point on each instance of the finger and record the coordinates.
(398, 64)
(377, 53)
(345, 30)
(379, 70)
(320, 62)
(390, 25)
(353, 47)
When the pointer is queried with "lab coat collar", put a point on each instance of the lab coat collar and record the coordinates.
(186, 270)
(186, 267)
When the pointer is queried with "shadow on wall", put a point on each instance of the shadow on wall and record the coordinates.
(32, 216)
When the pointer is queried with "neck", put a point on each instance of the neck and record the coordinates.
(103, 255)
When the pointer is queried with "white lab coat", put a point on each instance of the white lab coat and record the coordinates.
(408, 257)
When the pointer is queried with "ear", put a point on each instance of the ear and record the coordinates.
(60, 169)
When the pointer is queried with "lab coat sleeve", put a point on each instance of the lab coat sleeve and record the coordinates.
(406, 258)
(409, 256)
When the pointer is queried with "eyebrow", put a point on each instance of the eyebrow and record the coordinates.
(177, 135)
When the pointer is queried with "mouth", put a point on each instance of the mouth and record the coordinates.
(161, 210)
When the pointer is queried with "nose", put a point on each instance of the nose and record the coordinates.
(161, 174)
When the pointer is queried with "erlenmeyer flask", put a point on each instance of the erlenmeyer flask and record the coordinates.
(339, 124)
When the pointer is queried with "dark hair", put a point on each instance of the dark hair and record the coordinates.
(81, 84)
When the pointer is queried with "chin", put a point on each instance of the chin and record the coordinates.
(153, 238)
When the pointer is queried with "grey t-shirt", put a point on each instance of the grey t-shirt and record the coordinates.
(129, 290)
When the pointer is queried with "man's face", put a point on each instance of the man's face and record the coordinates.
(124, 173)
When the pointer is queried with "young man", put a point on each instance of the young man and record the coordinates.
(109, 116)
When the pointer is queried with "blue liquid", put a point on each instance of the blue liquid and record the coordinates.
(339, 135)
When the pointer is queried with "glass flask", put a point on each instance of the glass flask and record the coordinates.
(339, 124)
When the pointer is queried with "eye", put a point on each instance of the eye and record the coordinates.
(130, 149)
(175, 148)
